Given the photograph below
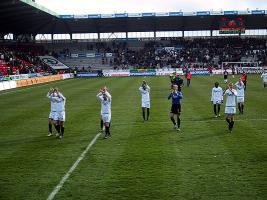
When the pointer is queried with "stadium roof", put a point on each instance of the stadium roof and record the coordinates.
(25, 16)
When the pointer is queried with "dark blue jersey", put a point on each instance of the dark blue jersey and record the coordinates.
(176, 97)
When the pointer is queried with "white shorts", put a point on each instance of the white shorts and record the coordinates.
(230, 110)
(240, 99)
(217, 102)
(106, 118)
(59, 116)
(52, 115)
(145, 104)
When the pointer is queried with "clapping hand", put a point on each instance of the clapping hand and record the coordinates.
(51, 90)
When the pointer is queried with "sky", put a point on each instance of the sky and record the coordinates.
(137, 6)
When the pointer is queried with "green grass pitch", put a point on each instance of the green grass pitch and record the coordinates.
(142, 160)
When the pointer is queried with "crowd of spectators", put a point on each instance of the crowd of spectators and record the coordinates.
(195, 53)
(179, 52)
(21, 59)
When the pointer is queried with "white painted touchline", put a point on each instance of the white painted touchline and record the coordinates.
(73, 167)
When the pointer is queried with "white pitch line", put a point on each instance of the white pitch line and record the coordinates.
(73, 167)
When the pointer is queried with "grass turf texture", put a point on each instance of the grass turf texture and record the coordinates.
(142, 160)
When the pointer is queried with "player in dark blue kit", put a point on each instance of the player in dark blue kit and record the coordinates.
(176, 97)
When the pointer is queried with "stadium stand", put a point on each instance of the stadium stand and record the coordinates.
(154, 51)
(143, 160)
(180, 52)
(183, 52)
(22, 59)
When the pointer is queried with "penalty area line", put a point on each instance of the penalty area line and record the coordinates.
(73, 167)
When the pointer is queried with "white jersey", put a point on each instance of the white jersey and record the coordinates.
(105, 104)
(230, 98)
(240, 89)
(216, 95)
(145, 93)
(264, 77)
(53, 101)
(61, 101)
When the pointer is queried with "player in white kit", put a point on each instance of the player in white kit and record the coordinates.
(105, 99)
(264, 77)
(102, 127)
(240, 88)
(216, 99)
(60, 116)
(230, 106)
(145, 91)
(50, 95)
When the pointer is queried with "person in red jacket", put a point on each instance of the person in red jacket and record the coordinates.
(244, 79)
(188, 78)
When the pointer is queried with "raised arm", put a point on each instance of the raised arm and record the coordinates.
(225, 92)
(48, 95)
(60, 95)
(108, 95)
(148, 88)
(99, 95)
